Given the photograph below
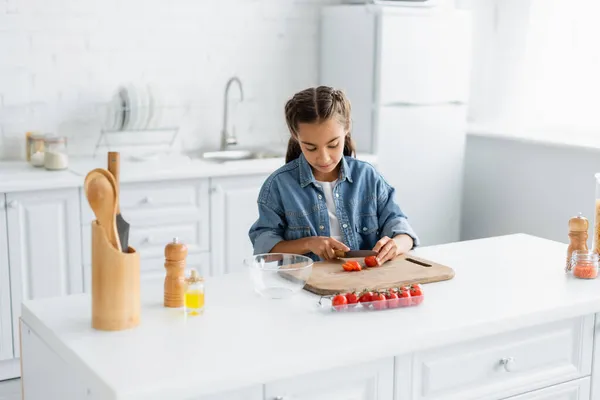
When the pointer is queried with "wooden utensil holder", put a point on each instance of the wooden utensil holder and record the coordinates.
(115, 284)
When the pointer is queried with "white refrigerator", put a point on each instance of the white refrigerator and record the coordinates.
(406, 72)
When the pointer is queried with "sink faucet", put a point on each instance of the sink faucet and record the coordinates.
(228, 139)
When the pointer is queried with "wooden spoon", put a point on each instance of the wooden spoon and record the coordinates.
(101, 192)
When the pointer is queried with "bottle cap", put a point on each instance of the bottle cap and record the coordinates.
(194, 277)
(578, 223)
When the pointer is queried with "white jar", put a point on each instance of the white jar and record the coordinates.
(55, 154)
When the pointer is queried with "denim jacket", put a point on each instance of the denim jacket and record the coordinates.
(292, 205)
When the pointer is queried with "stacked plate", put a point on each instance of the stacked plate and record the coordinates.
(134, 107)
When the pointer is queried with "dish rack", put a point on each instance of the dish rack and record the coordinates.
(136, 116)
(150, 134)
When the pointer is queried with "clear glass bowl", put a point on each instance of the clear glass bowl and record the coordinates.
(278, 275)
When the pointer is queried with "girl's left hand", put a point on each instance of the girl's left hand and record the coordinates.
(387, 249)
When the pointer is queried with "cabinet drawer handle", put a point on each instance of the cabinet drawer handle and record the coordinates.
(147, 200)
(279, 398)
(12, 204)
(147, 240)
(508, 363)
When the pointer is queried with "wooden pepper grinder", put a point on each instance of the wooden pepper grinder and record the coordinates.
(175, 255)
(578, 235)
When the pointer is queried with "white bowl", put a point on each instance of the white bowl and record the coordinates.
(279, 275)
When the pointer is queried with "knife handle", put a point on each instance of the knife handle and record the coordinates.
(339, 253)
(114, 169)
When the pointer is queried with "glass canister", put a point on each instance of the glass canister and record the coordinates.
(584, 264)
(35, 149)
(55, 156)
(194, 294)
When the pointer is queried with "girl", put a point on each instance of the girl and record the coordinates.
(323, 199)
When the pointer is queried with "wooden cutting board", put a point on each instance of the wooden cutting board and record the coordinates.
(330, 278)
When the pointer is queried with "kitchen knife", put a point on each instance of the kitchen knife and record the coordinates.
(122, 225)
(355, 253)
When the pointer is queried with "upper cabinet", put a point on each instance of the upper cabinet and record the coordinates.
(44, 246)
(6, 339)
(234, 209)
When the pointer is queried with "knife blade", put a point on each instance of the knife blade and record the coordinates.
(122, 225)
(355, 253)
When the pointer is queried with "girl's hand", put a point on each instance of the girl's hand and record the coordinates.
(391, 248)
(325, 247)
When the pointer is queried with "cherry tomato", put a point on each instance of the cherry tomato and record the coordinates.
(378, 301)
(392, 299)
(371, 261)
(416, 294)
(365, 297)
(340, 302)
(404, 298)
(352, 299)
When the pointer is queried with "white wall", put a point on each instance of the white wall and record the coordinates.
(60, 59)
(516, 186)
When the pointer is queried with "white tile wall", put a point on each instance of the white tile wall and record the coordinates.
(60, 60)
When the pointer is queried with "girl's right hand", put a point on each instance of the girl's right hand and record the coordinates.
(325, 247)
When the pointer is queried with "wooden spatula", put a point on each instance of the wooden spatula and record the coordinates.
(100, 190)
(122, 225)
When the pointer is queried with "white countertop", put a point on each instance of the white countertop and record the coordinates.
(21, 176)
(501, 284)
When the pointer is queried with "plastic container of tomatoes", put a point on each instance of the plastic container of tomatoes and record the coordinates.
(369, 300)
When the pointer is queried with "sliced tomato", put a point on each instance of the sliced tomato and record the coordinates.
(352, 266)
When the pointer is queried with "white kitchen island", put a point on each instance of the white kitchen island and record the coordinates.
(510, 324)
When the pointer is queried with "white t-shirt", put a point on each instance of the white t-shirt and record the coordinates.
(334, 223)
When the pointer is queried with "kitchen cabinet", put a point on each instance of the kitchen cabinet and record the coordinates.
(157, 212)
(44, 234)
(233, 203)
(6, 338)
(503, 365)
(369, 381)
(51, 376)
(574, 390)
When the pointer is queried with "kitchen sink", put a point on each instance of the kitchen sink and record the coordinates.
(238, 155)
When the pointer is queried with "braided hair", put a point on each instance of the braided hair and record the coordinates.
(316, 105)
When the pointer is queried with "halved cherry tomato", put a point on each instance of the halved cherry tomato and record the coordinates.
(371, 261)
(404, 298)
(340, 302)
(416, 294)
(378, 301)
(392, 299)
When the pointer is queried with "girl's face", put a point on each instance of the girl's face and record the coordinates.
(323, 147)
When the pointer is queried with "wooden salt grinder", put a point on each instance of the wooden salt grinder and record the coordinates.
(175, 254)
(578, 235)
